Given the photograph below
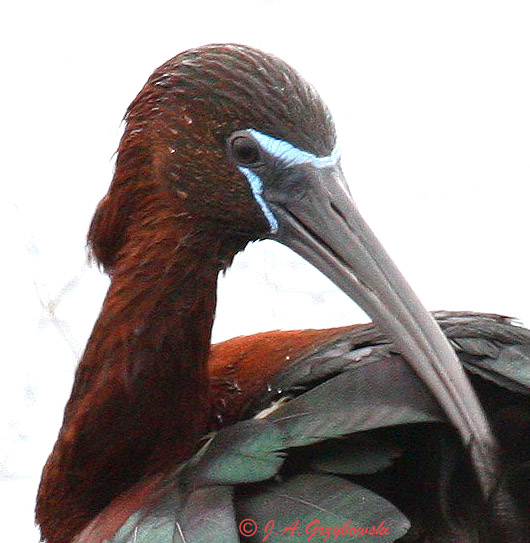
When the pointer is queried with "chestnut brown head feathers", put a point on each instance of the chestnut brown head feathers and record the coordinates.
(174, 149)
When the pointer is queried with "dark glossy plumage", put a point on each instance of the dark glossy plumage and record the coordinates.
(348, 411)
(148, 391)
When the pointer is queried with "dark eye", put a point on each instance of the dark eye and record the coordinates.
(245, 150)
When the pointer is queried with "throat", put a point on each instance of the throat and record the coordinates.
(140, 401)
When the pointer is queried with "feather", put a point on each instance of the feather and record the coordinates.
(246, 452)
(371, 394)
(371, 455)
(303, 505)
(206, 511)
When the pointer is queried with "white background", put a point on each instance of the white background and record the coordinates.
(432, 104)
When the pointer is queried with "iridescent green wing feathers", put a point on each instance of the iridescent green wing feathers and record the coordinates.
(342, 445)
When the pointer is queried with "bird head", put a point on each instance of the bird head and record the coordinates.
(198, 140)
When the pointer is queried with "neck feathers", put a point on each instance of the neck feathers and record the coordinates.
(140, 400)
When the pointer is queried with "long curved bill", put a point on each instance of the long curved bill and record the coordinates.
(325, 227)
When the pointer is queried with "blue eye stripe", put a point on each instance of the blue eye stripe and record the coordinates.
(256, 185)
(289, 155)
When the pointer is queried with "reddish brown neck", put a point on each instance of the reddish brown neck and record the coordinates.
(140, 400)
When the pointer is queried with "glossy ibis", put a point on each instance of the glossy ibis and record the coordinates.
(225, 145)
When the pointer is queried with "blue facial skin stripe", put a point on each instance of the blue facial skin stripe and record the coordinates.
(289, 155)
(256, 184)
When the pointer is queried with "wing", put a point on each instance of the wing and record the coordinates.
(330, 430)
